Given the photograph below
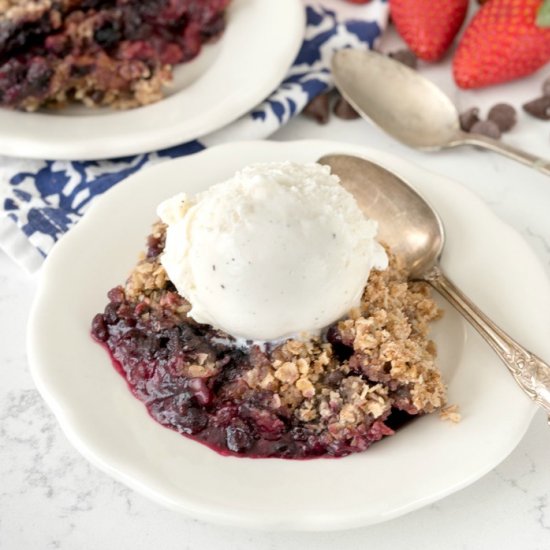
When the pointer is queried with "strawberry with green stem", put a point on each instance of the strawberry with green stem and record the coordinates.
(506, 39)
(428, 26)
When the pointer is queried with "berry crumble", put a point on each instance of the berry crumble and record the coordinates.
(117, 53)
(333, 395)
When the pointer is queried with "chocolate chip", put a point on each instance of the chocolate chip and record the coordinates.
(486, 128)
(342, 109)
(406, 57)
(318, 108)
(468, 118)
(503, 115)
(539, 108)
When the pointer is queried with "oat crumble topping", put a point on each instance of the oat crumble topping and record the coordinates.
(450, 413)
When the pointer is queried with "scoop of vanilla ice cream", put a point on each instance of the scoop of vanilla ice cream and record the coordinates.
(279, 250)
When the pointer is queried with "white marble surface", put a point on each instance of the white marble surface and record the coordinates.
(51, 498)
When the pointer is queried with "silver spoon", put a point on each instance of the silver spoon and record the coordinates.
(409, 107)
(412, 229)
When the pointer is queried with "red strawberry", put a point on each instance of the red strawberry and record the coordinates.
(502, 42)
(428, 26)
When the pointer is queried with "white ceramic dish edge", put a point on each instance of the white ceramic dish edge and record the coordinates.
(70, 423)
(156, 126)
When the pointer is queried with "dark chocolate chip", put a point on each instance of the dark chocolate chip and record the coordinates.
(468, 118)
(486, 128)
(405, 56)
(546, 87)
(539, 108)
(342, 109)
(503, 115)
(318, 108)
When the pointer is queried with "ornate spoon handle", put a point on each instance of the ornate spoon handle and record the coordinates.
(529, 371)
(538, 163)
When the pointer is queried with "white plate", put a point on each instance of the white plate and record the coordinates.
(423, 462)
(227, 79)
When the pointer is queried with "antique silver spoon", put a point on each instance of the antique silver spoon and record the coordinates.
(409, 107)
(412, 229)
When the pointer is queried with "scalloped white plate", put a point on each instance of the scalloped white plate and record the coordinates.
(227, 79)
(423, 462)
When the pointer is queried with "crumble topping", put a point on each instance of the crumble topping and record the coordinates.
(31, 9)
(450, 413)
(148, 275)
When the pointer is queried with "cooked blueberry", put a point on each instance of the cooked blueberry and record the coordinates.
(193, 420)
(39, 76)
(238, 439)
(99, 328)
(108, 34)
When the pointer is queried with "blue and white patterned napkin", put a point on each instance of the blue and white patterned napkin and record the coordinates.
(41, 200)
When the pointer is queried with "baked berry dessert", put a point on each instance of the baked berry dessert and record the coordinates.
(227, 366)
(329, 396)
(116, 53)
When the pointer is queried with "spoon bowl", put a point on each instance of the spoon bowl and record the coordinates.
(410, 107)
(414, 231)
(408, 224)
(396, 98)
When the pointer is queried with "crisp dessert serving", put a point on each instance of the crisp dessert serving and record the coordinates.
(98, 52)
(265, 320)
